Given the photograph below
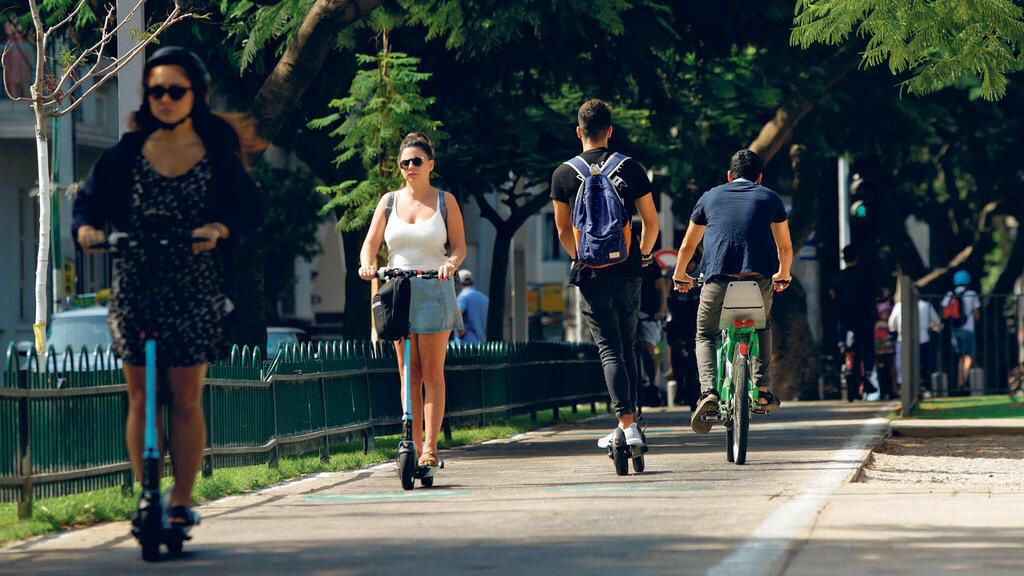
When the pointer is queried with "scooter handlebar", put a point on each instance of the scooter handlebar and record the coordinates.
(122, 242)
(385, 273)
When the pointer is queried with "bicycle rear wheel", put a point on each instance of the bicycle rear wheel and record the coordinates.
(740, 409)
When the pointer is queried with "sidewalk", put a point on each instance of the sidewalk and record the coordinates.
(911, 530)
(957, 427)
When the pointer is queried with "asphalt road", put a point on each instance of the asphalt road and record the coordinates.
(547, 502)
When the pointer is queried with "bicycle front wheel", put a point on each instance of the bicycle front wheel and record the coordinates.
(740, 408)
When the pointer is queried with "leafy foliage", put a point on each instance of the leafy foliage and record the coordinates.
(291, 221)
(937, 42)
(383, 105)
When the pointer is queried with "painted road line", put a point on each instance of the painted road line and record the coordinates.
(291, 483)
(387, 496)
(626, 489)
(770, 542)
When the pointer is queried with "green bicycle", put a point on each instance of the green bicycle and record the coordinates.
(743, 314)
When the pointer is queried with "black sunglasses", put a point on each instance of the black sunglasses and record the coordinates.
(175, 92)
(415, 161)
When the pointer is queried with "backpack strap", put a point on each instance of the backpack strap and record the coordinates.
(444, 218)
(612, 164)
(390, 206)
(580, 166)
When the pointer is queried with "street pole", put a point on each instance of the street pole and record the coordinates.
(844, 205)
(129, 78)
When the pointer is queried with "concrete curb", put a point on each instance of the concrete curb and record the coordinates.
(960, 427)
(886, 432)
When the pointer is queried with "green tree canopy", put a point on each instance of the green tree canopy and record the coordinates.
(936, 42)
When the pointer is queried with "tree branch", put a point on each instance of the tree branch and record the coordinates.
(302, 61)
(533, 206)
(173, 18)
(969, 253)
(486, 210)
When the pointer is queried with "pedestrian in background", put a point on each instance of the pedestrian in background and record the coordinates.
(473, 306)
(681, 333)
(654, 289)
(927, 321)
(885, 349)
(961, 309)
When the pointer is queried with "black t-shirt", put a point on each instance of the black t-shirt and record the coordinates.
(565, 183)
(855, 289)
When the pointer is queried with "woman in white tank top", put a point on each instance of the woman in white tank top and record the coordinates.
(423, 229)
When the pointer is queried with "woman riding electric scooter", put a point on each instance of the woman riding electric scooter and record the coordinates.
(180, 166)
(423, 229)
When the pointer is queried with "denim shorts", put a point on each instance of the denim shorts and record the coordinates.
(963, 342)
(433, 307)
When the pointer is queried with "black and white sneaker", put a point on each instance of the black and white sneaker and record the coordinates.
(706, 407)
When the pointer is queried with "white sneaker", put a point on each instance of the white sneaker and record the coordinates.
(632, 437)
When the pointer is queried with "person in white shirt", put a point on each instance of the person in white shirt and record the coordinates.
(927, 321)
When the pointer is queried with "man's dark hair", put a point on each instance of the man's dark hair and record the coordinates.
(745, 164)
(851, 253)
(595, 117)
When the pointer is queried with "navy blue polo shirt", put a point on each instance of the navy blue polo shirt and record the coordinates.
(738, 238)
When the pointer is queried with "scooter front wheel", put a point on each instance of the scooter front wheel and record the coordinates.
(407, 469)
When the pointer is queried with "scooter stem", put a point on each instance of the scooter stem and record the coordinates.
(406, 357)
(151, 447)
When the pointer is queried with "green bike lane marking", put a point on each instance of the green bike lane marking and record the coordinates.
(387, 496)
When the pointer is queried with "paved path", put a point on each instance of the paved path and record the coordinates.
(548, 502)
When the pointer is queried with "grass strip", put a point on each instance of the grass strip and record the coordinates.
(52, 515)
(966, 407)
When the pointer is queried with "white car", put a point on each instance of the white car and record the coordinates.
(278, 335)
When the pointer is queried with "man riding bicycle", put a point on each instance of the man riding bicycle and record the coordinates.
(745, 230)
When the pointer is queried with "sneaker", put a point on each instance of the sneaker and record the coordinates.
(708, 404)
(632, 437)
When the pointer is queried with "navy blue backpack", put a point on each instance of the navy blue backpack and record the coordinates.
(600, 220)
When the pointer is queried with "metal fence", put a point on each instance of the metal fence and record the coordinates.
(62, 416)
(999, 346)
(998, 341)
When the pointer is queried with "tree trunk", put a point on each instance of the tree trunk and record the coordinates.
(1015, 264)
(794, 353)
(777, 131)
(43, 254)
(301, 62)
(499, 277)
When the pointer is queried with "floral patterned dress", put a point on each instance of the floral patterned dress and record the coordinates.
(166, 290)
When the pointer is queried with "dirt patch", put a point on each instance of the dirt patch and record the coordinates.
(992, 461)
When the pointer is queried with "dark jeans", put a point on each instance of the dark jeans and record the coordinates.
(610, 306)
(712, 295)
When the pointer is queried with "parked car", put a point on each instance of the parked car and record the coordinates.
(79, 327)
(278, 335)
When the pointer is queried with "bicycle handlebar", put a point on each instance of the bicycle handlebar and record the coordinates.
(700, 282)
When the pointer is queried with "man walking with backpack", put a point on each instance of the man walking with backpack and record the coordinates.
(594, 196)
(960, 309)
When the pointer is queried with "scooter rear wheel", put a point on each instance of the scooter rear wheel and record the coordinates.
(619, 453)
(638, 463)
(427, 481)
